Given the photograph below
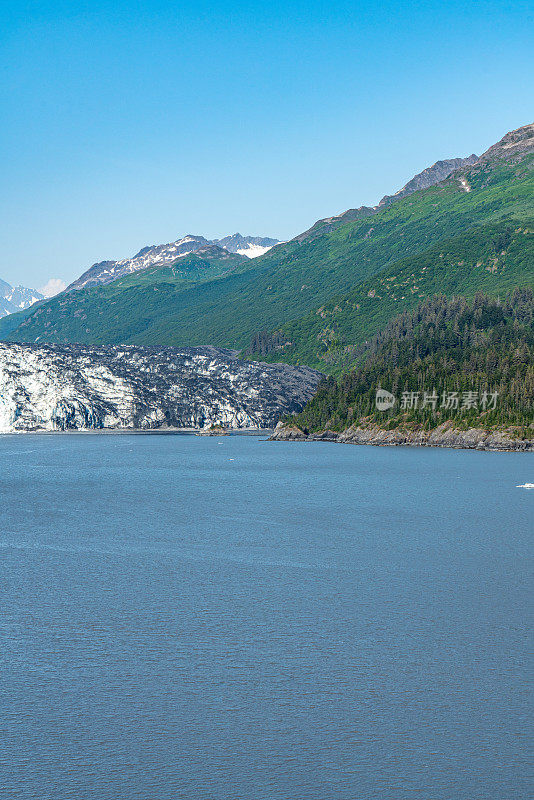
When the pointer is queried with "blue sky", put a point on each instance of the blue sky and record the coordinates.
(133, 123)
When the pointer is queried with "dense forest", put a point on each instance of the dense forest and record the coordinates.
(449, 358)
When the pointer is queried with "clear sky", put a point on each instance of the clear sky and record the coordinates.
(134, 123)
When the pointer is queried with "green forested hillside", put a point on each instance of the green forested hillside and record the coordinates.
(472, 362)
(295, 282)
(492, 258)
(120, 296)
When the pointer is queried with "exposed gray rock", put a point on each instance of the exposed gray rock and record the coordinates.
(62, 387)
(288, 433)
(171, 253)
(429, 177)
(108, 271)
(514, 144)
(444, 435)
(250, 246)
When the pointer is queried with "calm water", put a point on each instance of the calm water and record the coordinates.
(229, 619)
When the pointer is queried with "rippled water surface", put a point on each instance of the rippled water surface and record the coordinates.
(230, 619)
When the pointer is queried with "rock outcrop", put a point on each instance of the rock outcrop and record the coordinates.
(514, 145)
(444, 435)
(77, 387)
(249, 246)
(429, 177)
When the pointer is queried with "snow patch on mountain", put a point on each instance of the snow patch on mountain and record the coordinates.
(161, 254)
(107, 271)
(249, 246)
(253, 251)
(16, 298)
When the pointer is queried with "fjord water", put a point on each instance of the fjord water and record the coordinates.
(230, 619)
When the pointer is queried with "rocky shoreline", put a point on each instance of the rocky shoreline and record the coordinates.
(444, 435)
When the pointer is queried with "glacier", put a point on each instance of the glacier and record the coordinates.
(83, 387)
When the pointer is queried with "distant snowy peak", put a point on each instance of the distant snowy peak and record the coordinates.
(24, 298)
(16, 298)
(107, 271)
(6, 307)
(250, 246)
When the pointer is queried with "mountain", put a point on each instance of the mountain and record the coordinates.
(494, 258)
(319, 297)
(108, 271)
(77, 387)
(430, 176)
(209, 261)
(13, 299)
(135, 296)
(423, 180)
(457, 373)
(495, 253)
(250, 246)
(512, 147)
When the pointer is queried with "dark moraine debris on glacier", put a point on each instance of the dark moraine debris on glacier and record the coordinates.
(76, 387)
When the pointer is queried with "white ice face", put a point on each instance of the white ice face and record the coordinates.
(62, 387)
(253, 251)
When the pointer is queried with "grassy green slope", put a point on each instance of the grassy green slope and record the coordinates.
(491, 258)
(11, 322)
(122, 311)
(186, 271)
(292, 279)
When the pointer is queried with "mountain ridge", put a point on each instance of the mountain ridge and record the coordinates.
(296, 282)
(104, 272)
(255, 246)
(429, 176)
(513, 144)
(422, 180)
(520, 138)
(16, 298)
